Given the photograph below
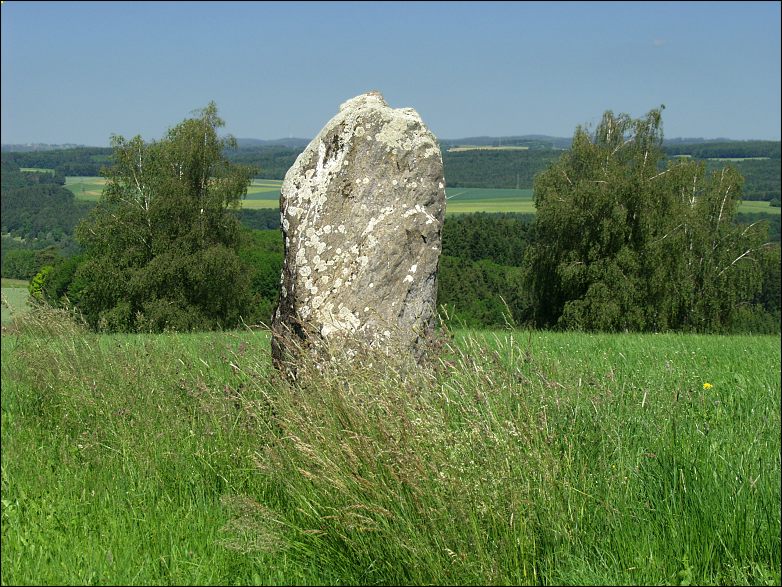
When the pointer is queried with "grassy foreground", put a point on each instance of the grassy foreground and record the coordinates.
(520, 458)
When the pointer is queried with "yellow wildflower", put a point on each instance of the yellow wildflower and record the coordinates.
(707, 385)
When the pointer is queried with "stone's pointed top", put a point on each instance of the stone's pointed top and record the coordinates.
(374, 98)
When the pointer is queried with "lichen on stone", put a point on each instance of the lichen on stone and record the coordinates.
(362, 210)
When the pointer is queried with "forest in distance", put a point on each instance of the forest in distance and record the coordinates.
(757, 161)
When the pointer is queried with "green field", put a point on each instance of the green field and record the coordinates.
(36, 170)
(525, 458)
(464, 200)
(462, 148)
(14, 299)
(85, 188)
(8, 282)
(757, 206)
(738, 158)
(265, 193)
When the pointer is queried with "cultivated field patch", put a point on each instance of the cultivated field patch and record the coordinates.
(14, 299)
(265, 193)
(738, 158)
(749, 206)
(36, 170)
(462, 148)
(85, 188)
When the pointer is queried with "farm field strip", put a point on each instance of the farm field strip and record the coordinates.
(467, 207)
(738, 158)
(265, 193)
(750, 206)
(85, 188)
(463, 148)
(10, 282)
(14, 299)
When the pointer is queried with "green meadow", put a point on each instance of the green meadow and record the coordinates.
(465, 200)
(516, 458)
(262, 193)
(462, 148)
(85, 188)
(36, 170)
(265, 193)
(758, 206)
(738, 158)
(14, 299)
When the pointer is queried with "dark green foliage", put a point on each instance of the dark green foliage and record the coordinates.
(705, 150)
(480, 283)
(764, 313)
(623, 245)
(261, 253)
(501, 238)
(481, 294)
(539, 142)
(46, 251)
(496, 169)
(59, 286)
(161, 245)
(762, 177)
(20, 264)
(38, 214)
(81, 161)
(36, 206)
(262, 219)
(759, 163)
(772, 223)
(272, 162)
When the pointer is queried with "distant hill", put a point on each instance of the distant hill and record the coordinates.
(696, 141)
(30, 147)
(291, 142)
(551, 142)
(530, 141)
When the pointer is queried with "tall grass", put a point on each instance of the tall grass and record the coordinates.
(516, 458)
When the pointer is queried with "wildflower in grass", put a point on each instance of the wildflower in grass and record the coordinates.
(707, 386)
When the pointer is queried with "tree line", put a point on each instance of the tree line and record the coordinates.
(706, 150)
(38, 217)
(624, 239)
(472, 168)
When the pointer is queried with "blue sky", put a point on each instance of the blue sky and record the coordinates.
(79, 72)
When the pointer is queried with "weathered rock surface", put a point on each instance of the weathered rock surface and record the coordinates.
(362, 212)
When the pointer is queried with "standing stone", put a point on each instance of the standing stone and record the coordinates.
(362, 212)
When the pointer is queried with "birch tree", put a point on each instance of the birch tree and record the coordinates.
(626, 240)
(161, 245)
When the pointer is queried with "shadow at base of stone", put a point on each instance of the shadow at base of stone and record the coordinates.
(298, 350)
